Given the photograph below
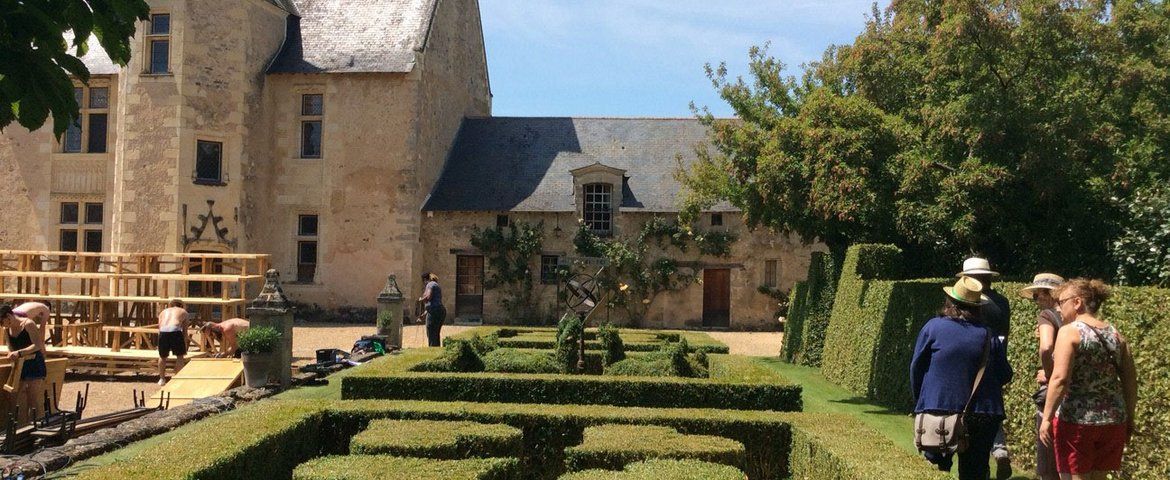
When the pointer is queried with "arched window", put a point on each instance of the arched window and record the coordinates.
(598, 208)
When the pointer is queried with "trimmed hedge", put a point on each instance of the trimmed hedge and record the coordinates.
(1140, 315)
(384, 379)
(450, 440)
(366, 467)
(873, 327)
(612, 447)
(794, 324)
(671, 361)
(876, 321)
(268, 439)
(511, 360)
(545, 338)
(661, 470)
(814, 311)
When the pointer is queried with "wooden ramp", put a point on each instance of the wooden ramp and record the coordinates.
(202, 377)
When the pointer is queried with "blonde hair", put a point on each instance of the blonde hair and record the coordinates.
(1094, 292)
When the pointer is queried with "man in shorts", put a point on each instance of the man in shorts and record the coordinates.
(172, 337)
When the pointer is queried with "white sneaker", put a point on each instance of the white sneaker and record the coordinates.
(162, 381)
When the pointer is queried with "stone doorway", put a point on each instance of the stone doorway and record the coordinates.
(717, 297)
(468, 286)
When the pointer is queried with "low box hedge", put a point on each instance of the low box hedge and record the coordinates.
(367, 467)
(267, 440)
(450, 440)
(384, 379)
(512, 360)
(545, 338)
(612, 447)
(662, 470)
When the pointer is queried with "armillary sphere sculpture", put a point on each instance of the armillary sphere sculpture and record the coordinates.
(583, 298)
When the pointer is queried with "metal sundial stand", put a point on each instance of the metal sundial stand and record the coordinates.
(583, 298)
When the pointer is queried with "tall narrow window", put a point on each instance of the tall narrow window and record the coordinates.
(158, 43)
(307, 231)
(89, 131)
(208, 163)
(312, 109)
(599, 208)
(771, 273)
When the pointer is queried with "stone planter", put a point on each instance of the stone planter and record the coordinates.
(257, 366)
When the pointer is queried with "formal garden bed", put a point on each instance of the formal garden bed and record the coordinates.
(742, 419)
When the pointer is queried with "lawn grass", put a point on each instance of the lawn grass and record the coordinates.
(822, 396)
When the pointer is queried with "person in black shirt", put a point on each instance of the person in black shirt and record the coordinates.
(997, 315)
(433, 300)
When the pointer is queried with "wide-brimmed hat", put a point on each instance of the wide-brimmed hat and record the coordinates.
(967, 291)
(976, 266)
(1042, 281)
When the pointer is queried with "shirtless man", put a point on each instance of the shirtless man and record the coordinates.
(37, 312)
(172, 337)
(226, 332)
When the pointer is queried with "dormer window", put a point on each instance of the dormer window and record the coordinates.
(598, 211)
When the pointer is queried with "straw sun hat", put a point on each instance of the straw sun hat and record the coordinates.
(977, 266)
(967, 291)
(1042, 281)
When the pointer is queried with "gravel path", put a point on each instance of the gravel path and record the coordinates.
(755, 344)
(112, 393)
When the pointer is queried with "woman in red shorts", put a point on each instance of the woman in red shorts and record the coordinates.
(1088, 417)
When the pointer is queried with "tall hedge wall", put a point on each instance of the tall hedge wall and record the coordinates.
(805, 340)
(875, 323)
(794, 324)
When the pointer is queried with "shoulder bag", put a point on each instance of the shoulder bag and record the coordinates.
(946, 433)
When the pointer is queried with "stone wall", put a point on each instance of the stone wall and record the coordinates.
(448, 234)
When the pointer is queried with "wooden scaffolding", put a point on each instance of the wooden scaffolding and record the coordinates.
(106, 304)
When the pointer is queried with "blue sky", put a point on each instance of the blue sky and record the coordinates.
(644, 57)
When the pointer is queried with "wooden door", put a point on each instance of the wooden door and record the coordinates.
(469, 286)
(717, 297)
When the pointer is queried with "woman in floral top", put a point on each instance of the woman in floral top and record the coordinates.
(1088, 416)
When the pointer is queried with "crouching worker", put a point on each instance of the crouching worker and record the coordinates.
(226, 333)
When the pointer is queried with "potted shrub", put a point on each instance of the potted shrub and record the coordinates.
(257, 352)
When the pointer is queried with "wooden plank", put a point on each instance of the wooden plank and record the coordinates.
(195, 277)
(201, 378)
(105, 298)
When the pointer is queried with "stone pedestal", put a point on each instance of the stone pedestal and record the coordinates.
(272, 309)
(389, 319)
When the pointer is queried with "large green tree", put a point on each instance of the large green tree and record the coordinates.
(36, 62)
(1016, 129)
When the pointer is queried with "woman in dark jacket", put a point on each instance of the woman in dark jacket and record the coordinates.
(946, 360)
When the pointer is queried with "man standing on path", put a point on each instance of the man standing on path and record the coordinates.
(172, 337)
(997, 316)
(433, 300)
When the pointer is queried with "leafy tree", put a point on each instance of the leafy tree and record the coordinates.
(952, 127)
(36, 62)
(1142, 251)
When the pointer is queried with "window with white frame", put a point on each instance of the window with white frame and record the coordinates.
(312, 111)
(158, 44)
(80, 226)
(598, 208)
(89, 131)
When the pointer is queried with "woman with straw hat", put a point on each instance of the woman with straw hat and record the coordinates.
(1048, 322)
(951, 351)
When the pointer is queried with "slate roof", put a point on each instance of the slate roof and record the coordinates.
(354, 36)
(523, 164)
(96, 59)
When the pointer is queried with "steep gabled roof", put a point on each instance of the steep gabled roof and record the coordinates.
(526, 164)
(354, 36)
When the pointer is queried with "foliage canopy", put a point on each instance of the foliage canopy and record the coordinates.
(1017, 129)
